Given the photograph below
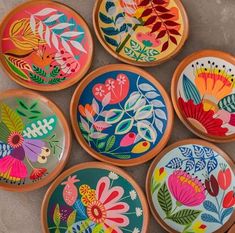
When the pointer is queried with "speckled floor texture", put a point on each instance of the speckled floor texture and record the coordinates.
(211, 27)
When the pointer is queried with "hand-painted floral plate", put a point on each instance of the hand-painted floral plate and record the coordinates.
(45, 45)
(190, 188)
(141, 32)
(34, 140)
(95, 197)
(122, 115)
(203, 94)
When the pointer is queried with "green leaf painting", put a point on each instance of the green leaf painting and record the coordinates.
(228, 103)
(164, 199)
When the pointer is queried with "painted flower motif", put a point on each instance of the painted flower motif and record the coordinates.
(138, 212)
(133, 195)
(186, 189)
(68, 64)
(226, 117)
(118, 89)
(113, 176)
(141, 147)
(136, 230)
(199, 227)
(229, 199)
(148, 39)
(131, 7)
(159, 174)
(84, 189)
(107, 208)
(37, 173)
(201, 119)
(86, 109)
(224, 178)
(128, 139)
(212, 186)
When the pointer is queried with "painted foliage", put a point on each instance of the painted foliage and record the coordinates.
(122, 115)
(44, 45)
(95, 200)
(192, 188)
(28, 141)
(206, 96)
(141, 30)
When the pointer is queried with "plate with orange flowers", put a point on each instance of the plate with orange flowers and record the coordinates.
(122, 115)
(203, 94)
(34, 140)
(190, 188)
(95, 197)
(141, 32)
(45, 45)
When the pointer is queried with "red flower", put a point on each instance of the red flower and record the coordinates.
(229, 200)
(202, 120)
(37, 173)
(212, 186)
(86, 109)
(225, 178)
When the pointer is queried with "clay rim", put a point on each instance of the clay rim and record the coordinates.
(174, 84)
(232, 229)
(96, 165)
(47, 88)
(73, 115)
(143, 64)
(67, 135)
(155, 214)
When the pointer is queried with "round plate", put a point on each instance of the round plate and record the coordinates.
(141, 32)
(95, 197)
(203, 94)
(121, 115)
(190, 188)
(45, 45)
(34, 140)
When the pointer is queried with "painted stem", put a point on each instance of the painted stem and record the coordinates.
(141, 52)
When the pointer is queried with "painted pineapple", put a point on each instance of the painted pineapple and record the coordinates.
(70, 192)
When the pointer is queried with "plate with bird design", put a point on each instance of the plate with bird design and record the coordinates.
(121, 115)
(203, 94)
(45, 45)
(190, 188)
(95, 197)
(34, 140)
(141, 32)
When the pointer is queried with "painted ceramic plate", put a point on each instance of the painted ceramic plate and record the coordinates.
(141, 32)
(95, 197)
(122, 115)
(190, 188)
(45, 45)
(203, 94)
(33, 135)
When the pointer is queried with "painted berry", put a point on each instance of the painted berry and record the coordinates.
(70, 192)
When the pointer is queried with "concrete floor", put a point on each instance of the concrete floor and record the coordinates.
(211, 27)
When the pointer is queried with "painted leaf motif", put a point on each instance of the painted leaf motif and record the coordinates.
(144, 112)
(98, 229)
(209, 218)
(185, 216)
(130, 53)
(159, 125)
(97, 135)
(66, 46)
(135, 46)
(164, 199)
(149, 59)
(146, 132)
(200, 165)
(114, 116)
(71, 219)
(11, 119)
(61, 26)
(80, 209)
(105, 19)
(95, 106)
(111, 41)
(5, 149)
(190, 90)
(228, 103)
(124, 126)
(151, 95)
(45, 11)
(186, 152)
(19, 63)
(198, 151)
(209, 152)
(190, 165)
(84, 125)
(110, 31)
(151, 52)
(175, 163)
(132, 102)
(39, 129)
(4, 132)
(85, 226)
(160, 114)
(157, 103)
(53, 18)
(226, 213)
(77, 45)
(57, 215)
(146, 87)
(210, 206)
(110, 143)
(212, 165)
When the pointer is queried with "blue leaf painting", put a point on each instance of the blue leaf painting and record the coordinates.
(210, 206)
(212, 165)
(190, 165)
(83, 226)
(5, 149)
(201, 164)
(190, 90)
(226, 213)
(111, 41)
(186, 152)
(175, 163)
(209, 152)
(105, 19)
(81, 211)
(209, 218)
(198, 151)
(109, 5)
(110, 31)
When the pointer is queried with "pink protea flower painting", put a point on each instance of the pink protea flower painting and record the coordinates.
(70, 192)
(186, 189)
(107, 208)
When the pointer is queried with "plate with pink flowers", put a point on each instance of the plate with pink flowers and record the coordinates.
(33, 135)
(45, 45)
(190, 188)
(203, 94)
(141, 32)
(95, 197)
(122, 115)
